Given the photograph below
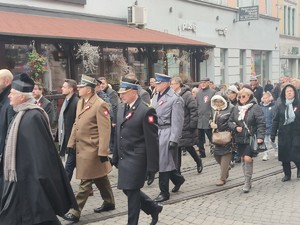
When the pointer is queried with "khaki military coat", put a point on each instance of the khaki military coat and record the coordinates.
(90, 137)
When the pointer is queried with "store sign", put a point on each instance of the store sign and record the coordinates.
(189, 27)
(248, 13)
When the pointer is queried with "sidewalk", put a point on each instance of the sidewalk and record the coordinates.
(199, 201)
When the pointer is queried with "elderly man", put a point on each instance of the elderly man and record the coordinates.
(36, 188)
(203, 98)
(169, 107)
(136, 151)
(90, 138)
(256, 88)
(151, 89)
(6, 113)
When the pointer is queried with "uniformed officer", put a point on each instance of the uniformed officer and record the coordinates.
(169, 107)
(90, 138)
(136, 151)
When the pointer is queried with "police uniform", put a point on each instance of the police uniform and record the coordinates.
(136, 152)
(170, 112)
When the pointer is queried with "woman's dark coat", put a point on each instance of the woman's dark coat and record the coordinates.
(268, 113)
(254, 119)
(189, 135)
(221, 120)
(288, 135)
(42, 190)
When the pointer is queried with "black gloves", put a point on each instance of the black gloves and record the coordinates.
(150, 177)
(103, 159)
(172, 145)
(273, 139)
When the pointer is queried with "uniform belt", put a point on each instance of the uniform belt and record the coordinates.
(164, 126)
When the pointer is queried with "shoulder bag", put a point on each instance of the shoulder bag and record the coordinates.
(255, 147)
(222, 137)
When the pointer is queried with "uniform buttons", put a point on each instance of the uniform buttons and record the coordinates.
(121, 158)
(121, 137)
(122, 126)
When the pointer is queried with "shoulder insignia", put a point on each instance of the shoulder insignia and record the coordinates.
(105, 112)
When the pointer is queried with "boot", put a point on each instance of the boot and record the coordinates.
(248, 175)
(287, 171)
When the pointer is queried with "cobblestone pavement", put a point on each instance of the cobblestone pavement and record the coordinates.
(199, 201)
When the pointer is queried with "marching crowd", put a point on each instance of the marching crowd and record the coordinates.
(145, 131)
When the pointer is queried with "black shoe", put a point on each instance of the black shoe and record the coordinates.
(286, 178)
(202, 154)
(155, 214)
(161, 198)
(177, 186)
(298, 173)
(200, 167)
(150, 178)
(104, 208)
(71, 217)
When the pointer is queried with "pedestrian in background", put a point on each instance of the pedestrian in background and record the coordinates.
(246, 120)
(6, 114)
(189, 135)
(222, 109)
(256, 89)
(38, 94)
(195, 90)
(36, 187)
(151, 89)
(269, 86)
(170, 115)
(66, 120)
(268, 106)
(204, 113)
(136, 153)
(287, 122)
(90, 138)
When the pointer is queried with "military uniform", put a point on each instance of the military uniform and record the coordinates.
(90, 137)
(170, 113)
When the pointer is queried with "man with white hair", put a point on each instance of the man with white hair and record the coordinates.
(6, 113)
(35, 183)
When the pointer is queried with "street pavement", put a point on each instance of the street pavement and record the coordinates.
(200, 201)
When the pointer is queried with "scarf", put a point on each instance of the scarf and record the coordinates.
(10, 173)
(242, 110)
(289, 112)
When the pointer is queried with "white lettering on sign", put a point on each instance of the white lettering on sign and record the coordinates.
(189, 27)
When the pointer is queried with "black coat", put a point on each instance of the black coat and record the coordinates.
(69, 119)
(189, 135)
(288, 135)
(48, 107)
(42, 190)
(6, 113)
(258, 93)
(255, 121)
(114, 101)
(137, 147)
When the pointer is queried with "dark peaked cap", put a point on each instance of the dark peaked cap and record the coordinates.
(23, 83)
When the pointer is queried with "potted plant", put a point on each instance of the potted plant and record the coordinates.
(37, 64)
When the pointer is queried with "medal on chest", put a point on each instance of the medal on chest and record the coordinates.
(205, 98)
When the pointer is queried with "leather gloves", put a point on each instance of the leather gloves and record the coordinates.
(172, 145)
(150, 177)
(103, 159)
(272, 139)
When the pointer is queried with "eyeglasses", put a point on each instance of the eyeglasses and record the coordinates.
(243, 96)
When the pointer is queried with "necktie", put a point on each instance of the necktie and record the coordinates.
(126, 109)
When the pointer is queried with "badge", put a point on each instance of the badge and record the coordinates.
(205, 98)
(150, 119)
(161, 102)
(87, 107)
(105, 112)
(39, 104)
(128, 115)
(295, 109)
(270, 108)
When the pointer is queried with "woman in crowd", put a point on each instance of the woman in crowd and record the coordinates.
(268, 106)
(220, 114)
(246, 120)
(189, 131)
(287, 122)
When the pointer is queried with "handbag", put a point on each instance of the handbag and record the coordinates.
(255, 147)
(222, 137)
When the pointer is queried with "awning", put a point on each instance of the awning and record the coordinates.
(25, 25)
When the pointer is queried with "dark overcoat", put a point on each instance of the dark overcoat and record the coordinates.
(254, 119)
(137, 146)
(69, 119)
(288, 135)
(189, 135)
(48, 107)
(42, 190)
